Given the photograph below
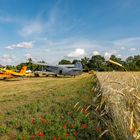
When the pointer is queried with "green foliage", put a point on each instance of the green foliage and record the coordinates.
(63, 61)
(96, 62)
(99, 63)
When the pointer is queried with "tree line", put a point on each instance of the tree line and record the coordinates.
(96, 62)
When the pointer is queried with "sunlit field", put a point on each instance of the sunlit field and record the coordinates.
(121, 94)
(102, 106)
(48, 108)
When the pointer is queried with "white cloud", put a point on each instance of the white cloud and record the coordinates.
(77, 53)
(132, 49)
(7, 59)
(107, 55)
(119, 55)
(96, 53)
(26, 45)
(28, 55)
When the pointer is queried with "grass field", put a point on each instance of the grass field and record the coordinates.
(83, 108)
(48, 108)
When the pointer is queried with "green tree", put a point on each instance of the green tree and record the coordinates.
(85, 62)
(64, 61)
(97, 62)
(119, 60)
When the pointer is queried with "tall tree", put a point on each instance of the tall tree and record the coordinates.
(85, 62)
(97, 62)
(64, 61)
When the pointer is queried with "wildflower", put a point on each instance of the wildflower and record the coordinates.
(34, 136)
(42, 119)
(84, 125)
(59, 138)
(76, 133)
(67, 135)
(41, 134)
(33, 120)
(54, 138)
(86, 112)
(65, 126)
(98, 129)
(47, 122)
(72, 126)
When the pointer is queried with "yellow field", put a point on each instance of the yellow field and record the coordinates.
(121, 93)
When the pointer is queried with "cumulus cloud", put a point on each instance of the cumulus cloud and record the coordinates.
(77, 53)
(96, 53)
(26, 45)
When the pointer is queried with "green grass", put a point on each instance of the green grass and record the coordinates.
(43, 108)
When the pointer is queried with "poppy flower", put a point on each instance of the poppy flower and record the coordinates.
(47, 122)
(67, 135)
(72, 126)
(33, 120)
(54, 138)
(76, 133)
(84, 125)
(42, 119)
(41, 134)
(98, 129)
(59, 138)
(34, 136)
(64, 126)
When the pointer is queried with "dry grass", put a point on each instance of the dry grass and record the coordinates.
(18, 92)
(121, 94)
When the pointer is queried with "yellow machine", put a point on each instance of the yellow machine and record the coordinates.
(11, 74)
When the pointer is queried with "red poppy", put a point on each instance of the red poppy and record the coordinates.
(34, 136)
(54, 138)
(33, 120)
(59, 138)
(76, 133)
(86, 112)
(84, 125)
(72, 126)
(47, 122)
(67, 135)
(98, 129)
(65, 126)
(41, 134)
(42, 120)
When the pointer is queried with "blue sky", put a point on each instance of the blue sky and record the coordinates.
(54, 29)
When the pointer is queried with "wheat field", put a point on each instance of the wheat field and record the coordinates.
(120, 92)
